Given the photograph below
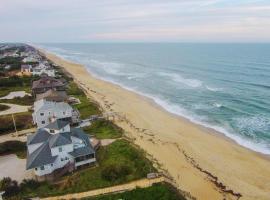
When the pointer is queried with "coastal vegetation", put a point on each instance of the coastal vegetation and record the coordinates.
(118, 163)
(87, 107)
(13, 147)
(27, 100)
(159, 191)
(15, 83)
(104, 129)
(4, 107)
(23, 121)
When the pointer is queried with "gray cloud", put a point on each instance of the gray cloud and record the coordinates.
(140, 20)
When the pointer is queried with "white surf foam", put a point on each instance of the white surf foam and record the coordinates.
(176, 109)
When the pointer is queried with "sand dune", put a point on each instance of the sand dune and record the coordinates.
(202, 162)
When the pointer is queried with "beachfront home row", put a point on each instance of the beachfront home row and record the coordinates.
(46, 112)
(57, 149)
(46, 83)
(27, 69)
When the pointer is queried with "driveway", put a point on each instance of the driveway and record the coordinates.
(13, 167)
(12, 95)
(14, 108)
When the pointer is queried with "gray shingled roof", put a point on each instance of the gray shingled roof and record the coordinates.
(53, 95)
(77, 132)
(40, 136)
(59, 139)
(82, 151)
(41, 156)
(57, 124)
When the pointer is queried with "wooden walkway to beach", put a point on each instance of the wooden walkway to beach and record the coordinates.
(143, 183)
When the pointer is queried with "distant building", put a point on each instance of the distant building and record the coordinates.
(7, 67)
(47, 111)
(53, 95)
(43, 69)
(46, 83)
(57, 149)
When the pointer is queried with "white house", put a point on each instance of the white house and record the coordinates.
(47, 111)
(58, 148)
(43, 69)
(31, 58)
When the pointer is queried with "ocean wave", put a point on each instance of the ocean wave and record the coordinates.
(194, 83)
(113, 70)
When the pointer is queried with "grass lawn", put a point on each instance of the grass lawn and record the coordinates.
(23, 121)
(26, 100)
(159, 191)
(4, 107)
(86, 107)
(6, 90)
(118, 163)
(104, 129)
(13, 147)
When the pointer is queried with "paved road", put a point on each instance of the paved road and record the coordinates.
(143, 183)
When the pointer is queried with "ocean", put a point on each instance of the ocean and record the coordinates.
(225, 87)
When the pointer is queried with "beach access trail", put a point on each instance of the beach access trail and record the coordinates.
(202, 162)
(143, 183)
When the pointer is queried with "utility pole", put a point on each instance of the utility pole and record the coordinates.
(14, 123)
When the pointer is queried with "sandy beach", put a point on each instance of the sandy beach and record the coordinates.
(201, 162)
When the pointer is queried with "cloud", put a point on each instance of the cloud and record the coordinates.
(134, 20)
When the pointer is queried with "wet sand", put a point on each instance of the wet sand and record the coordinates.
(200, 161)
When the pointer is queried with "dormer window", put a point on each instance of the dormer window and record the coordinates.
(60, 149)
(52, 131)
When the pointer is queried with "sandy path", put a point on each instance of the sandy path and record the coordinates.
(13, 167)
(14, 108)
(143, 183)
(12, 95)
(201, 162)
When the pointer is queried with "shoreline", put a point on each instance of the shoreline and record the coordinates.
(208, 129)
(192, 155)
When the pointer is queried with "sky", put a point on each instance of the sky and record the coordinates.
(134, 21)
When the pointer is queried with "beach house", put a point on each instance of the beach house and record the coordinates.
(53, 95)
(46, 112)
(46, 83)
(43, 69)
(57, 149)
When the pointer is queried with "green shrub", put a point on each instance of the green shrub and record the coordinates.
(113, 172)
(23, 121)
(10, 187)
(3, 107)
(16, 147)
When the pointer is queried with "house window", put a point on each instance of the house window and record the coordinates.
(62, 159)
(36, 169)
(42, 122)
(51, 164)
(66, 158)
(42, 168)
(60, 149)
(51, 131)
(41, 114)
(64, 113)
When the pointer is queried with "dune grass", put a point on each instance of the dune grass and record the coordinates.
(104, 129)
(159, 191)
(86, 107)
